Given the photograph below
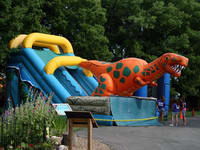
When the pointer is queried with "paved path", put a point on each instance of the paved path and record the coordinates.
(152, 137)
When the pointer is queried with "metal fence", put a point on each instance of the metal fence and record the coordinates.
(14, 131)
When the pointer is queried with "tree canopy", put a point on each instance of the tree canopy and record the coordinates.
(113, 29)
(148, 28)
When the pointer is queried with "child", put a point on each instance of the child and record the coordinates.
(175, 112)
(161, 108)
(183, 110)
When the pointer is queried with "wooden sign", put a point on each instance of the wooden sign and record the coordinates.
(80, 119)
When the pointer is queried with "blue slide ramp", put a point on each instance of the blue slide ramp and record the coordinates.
(133, 111)
(65, 82)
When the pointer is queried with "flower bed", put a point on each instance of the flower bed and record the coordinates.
(30, 125)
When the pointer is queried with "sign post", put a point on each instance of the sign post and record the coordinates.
(80, 119)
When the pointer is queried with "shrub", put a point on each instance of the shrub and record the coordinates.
(29, 123)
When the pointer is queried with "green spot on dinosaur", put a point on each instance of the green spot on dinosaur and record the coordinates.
(136, 69)
(119, 65)
(103, 86)
(116, 74)
(153, 71)
(99, 85)
(149, 69)
(101, 92)
(122, 80)
(109, 69)
(126, 71)
(166, 58)
(147, 73)
(102, 79)
(143, 73)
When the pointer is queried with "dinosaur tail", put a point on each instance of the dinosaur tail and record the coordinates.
(84, 65)
(90, 64)
(94, 66)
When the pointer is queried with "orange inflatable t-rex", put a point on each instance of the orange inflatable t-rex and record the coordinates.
(126, 76)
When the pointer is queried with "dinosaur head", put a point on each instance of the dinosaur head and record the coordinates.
(173, 63)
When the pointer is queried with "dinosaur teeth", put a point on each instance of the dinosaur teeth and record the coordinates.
(177, 68)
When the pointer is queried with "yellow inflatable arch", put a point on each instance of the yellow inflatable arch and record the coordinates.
(48, 39)
(52, 42)
(16, 42)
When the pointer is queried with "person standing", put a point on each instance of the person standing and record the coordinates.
(175, 112)
(183, 110)
(161, 107)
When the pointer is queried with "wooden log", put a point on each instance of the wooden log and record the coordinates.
(104, 110)
(96, 105)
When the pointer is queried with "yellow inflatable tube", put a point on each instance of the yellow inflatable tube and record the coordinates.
(59, 61)
(51, 42)
(14, 43)
(48, 39)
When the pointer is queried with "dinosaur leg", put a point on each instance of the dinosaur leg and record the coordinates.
(105, 86)
(141, 82)
(153, 83)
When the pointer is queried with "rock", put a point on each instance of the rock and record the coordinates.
(65, 139)
(62, 147)
(56, 139)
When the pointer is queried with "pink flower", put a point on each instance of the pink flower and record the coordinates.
(8, 112)
(31, 145)
(41, 94)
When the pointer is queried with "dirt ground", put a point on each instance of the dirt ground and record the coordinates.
(82, 143)
(96, 145)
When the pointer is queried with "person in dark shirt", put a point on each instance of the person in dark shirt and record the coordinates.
(183, 109)
(161, 107)
(175, 112)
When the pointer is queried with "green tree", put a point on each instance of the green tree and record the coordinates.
(148, 28)
(5, 7)
(82, 23)
(18, 17)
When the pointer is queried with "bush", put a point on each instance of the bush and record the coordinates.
(30, 123)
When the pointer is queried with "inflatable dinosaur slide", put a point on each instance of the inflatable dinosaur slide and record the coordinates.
(47, 62)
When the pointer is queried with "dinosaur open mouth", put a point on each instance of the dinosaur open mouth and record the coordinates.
(177, 68)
